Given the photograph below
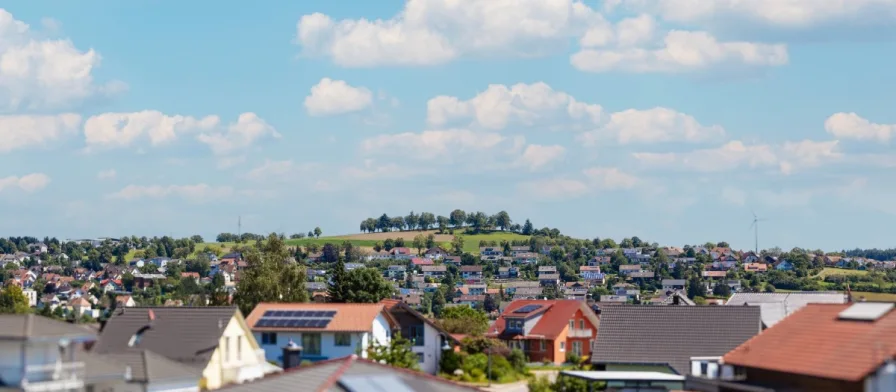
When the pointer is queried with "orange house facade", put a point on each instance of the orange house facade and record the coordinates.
(547, 329)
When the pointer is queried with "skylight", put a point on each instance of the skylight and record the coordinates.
(866, 311)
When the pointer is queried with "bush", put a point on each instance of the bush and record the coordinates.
(518, 360)
(450, 362)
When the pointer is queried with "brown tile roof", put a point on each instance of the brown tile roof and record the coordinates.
(348, 318)
(814, 341)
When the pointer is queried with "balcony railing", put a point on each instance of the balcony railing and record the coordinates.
(54, 377)
(580, 333)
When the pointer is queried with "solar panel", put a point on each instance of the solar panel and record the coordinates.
(268, 313)
(292, 323)
(263, 323)
(301, 323)
(330, 313)
(280, 323)
(278, 313)
(299, 313)
(527, 309)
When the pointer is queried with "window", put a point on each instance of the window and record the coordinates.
(562, 346)
(572, 324)
(227, 349)
(343, 339)
(415, 335)
(543, 345)
(239, 348)
(268, 338)
(311, 343)
(420, 357)
(581, 324)
(577, 347)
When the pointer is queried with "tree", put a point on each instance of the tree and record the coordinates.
(269, 278)
(430, 241)
(464, 320)
(721, 290)
(317, 232)
(388, 244)
(502, 220)
(457, 244)
(442, 222)
(457, 218)
(411, 220)
(489, 305)
(384, 223)
(337, 285)
(197, 239)
(329, 253)
(419, 242)
(427, 219)
(397, 223)
(696, 288)
(365, 285)
(13, 300)
(438, 303)
(396, 353)
(527, 228)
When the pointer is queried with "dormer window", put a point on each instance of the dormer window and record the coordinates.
(515, 324)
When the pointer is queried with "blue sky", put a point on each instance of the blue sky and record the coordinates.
(671, 120)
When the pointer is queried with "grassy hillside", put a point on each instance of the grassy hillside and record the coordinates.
(471, 241)
(881, 297)
(839, 272)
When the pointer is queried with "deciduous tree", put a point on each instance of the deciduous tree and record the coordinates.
(268, 277)
(13, 300)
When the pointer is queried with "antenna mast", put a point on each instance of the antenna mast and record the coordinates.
(239, 228)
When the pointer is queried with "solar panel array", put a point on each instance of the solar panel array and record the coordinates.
(295, 319)
(527, 309)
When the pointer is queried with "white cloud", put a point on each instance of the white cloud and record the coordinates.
(536, 156)
(112, 130)
(239, 135)
(852, 126)
(680, 51)
(431, 145)
(788, 157)
(23, 131)
(44, 73)
(429, 32)
(527, 104)
(653, 126)
(557, 188)
(27, 183)
(196, 193)
(610, 178)
(106, 174)
(786, 13)
(329, 97)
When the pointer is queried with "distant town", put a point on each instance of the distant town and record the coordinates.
(466, 301)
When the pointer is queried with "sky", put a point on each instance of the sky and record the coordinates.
(671, 120)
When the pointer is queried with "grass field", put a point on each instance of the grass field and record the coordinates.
(839, 272)
(471, 241)
(880, 297)
(406, 235)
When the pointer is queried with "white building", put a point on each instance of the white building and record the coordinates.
(38, 354)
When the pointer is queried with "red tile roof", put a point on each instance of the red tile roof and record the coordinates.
(552, 323)
(814, 341)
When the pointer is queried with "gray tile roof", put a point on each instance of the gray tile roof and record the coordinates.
(188, 335)
(326, 376)
(147, 366)
(776, 306)
(32, 327)
(638, 334)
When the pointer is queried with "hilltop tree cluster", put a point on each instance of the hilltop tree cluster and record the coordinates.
(476, 221)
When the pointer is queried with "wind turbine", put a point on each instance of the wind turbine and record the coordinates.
(755, 227)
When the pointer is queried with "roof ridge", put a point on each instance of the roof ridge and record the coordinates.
(334, 377)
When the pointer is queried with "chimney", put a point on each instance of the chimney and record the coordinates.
(292, 355)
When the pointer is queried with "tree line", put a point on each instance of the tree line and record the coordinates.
(475, 221)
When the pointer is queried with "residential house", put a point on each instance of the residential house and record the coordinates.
(548, 279)
(715, 274)
(547, 330)
(471, 272)
(349, 374)
(822, 348)
(428, 339)
(629, 268)
(508, 272)
(420, 261)
(519, 249)
(396, 272)
(599, 261)
(214, 343)
(547, 269)
(755, 267)
(81, 306)
(142, 281)
(673, 298)
(528, 292)
(454, 260)
(436, 253)
(546, 249)
(381, 255)
(323, 330)
(434, 271)
(627, 289)
(591, 274)
(525, 258)
(719, 252)
(628, 252)
(783, 265)
(574, 290)
(473, 301)
(673, 284)
(31, 295)
(190, 275)
(639, 258)
(686, 332)
(774, 307)
(474, 289)
(125, 301)
(491, 251)
(38, 354)
(401, 253)
(672, 251)
(353, 266)
(641, 275)
(750, 257)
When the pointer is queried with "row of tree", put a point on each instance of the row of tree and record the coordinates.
(477, 221)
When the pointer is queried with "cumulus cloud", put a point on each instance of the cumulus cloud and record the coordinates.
(429, 32)
(498, 105)
(536, 156)
(27, 183)
(38, 73)
(330, 97)
(247, 129)
(23, 131)
(195, 193)
(610, 178)
(734, 155)
(785, 13)
(653, 126)
(852, 126)
(680, 51)
(106, 174)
